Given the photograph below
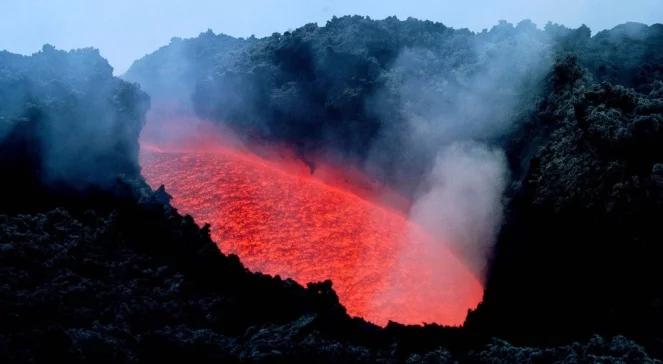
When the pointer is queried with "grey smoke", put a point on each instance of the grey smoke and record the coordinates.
(67, 113)
(453, 119)
(462, 203)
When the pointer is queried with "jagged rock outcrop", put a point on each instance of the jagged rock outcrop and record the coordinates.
(581, 243)
(94, 266)
(68, 128)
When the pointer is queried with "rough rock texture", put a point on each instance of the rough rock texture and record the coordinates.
(66, 125)
(580, 250)
(143, 284)
(95, 267)
(359, 89)
(596, 350)
(140, 283)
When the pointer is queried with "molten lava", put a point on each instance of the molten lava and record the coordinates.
(281, 219)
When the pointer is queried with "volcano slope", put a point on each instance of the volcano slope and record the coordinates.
(112, 273)
(107, 271)
(579, 246)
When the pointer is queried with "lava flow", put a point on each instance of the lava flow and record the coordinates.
(281, 219)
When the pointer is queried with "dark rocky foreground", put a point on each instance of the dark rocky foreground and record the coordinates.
(141, 283)
(96, 267)
(581, 245)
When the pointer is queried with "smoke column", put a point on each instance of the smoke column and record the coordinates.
(462, 204)
(453, 120)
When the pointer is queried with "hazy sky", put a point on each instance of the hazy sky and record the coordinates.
(125, 30)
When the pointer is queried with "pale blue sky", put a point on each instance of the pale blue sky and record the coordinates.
(125, 30)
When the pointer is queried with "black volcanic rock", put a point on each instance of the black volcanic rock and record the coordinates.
(143, 284)
(580, 249)
(353, 87)
(96, 267)
(66, 124)
(596, 350)
(335, 90)
(135, 284)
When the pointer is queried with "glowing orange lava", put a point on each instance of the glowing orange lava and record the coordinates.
(280, 219)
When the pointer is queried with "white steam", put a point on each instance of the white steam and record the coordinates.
(454, 116)
(461, 204)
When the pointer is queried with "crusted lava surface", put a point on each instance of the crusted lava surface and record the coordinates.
(280, 219)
